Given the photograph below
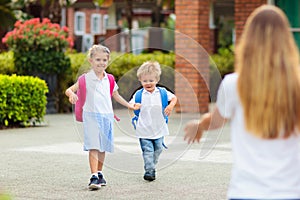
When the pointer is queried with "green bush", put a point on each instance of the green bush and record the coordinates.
(22, 98)
(221, 64)
(7, 65)
(224, 60)
(122, 66)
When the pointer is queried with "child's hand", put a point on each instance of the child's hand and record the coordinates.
(193, 131)
(73, 98)
(135, 106)
(168, 110)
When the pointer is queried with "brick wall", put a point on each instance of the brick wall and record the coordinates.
(192, 40)
(88, 13)
(243, 9)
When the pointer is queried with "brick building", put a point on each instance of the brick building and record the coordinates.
(196, 38)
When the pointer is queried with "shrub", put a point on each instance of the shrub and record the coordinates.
(220, 65)
(224, 60)
(7, 65)
(22, 98)
(39, 46)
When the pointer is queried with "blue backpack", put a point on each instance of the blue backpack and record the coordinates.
(164, 101)
(138, 99)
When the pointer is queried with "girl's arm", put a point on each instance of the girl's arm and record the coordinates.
(70, 92)
(171, 106)
(123, 102)
(209, 121)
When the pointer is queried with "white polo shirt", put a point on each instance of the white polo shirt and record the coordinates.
(98, 97)
(151, 123)
(262, 169)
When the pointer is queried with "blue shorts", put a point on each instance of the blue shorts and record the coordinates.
(98, 131)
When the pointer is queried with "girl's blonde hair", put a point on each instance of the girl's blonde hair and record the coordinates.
(149, 67)
(267, 61)
(97, 48)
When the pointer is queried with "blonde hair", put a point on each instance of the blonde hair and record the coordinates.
(149, 67)
(267, 61)
(98, 48)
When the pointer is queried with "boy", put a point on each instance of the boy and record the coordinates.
(151, 124)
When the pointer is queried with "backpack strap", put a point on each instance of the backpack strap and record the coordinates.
(138, 99)
(81, 93)
(111, 79)
(164, 101)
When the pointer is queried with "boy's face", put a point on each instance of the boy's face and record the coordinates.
(148, 82)
(99, 62)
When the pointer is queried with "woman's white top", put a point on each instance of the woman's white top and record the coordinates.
(262, 169)
(98, 97)
(151, 123)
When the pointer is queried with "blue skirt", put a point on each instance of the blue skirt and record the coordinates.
(98, 131)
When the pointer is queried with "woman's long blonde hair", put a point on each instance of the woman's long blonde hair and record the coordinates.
(267, 61)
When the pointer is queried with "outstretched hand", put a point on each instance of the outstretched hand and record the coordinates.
(193, 132)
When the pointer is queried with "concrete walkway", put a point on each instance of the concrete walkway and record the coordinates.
(47, 162)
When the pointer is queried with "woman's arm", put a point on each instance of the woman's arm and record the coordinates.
(209, 121)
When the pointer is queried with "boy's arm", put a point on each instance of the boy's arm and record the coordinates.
(123, 102)
(170, 107)
(70, 92)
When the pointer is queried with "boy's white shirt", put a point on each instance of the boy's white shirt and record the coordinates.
(98, 97)
(262, 169)
(151, 123)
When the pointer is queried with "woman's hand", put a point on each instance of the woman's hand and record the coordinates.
(193, 131)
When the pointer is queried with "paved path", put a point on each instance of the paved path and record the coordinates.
(47, 162)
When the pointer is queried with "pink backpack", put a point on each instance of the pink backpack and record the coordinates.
(81, 93)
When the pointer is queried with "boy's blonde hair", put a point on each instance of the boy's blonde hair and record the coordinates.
(149, 67)
(97, 48)
(267, 61)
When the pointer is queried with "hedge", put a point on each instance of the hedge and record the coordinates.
(22, 98)
(123, 66)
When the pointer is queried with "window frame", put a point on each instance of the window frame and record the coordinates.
(77, 21)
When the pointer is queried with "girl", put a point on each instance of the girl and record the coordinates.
(262, 100)
(97, 112)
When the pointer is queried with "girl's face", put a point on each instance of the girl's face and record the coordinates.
(99, 62)
(148, 82)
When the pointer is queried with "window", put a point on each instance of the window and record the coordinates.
(79, 24)
(95, 24)
(105, 24)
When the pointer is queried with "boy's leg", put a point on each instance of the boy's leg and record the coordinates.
(148, 155)
(158, 147)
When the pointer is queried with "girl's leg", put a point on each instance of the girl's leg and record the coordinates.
(93, 159)
(101, 157)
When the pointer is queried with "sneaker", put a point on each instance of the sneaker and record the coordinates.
(149, 176)
(102, 181)
(94, 183)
